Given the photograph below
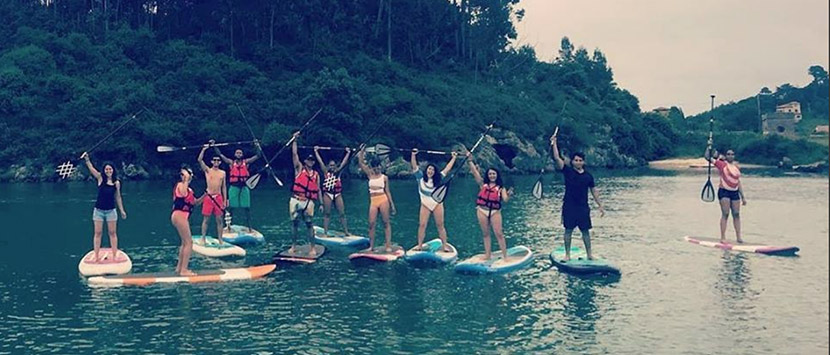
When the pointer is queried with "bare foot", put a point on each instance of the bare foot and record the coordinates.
(292, 249)
(204, 240)
(723, 240)
(566, 259)
(187, 273)
(312, 252)
(740, 241)
(446, 248)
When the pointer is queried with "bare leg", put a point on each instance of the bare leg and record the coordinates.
(484, 223)
(495, 220)
(423, 219)
(309, 225)
(736, 219)
(326, 213)
(112, 230)
(204, 228)
(373, 217)
(567, 237)
(724, 216)
(183, 228)
(438, 215)
(586, 239)
(98, 230)
(219, 227)
(341, 210)
(387, 225)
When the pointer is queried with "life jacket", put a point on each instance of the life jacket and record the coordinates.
(489, 197)
(184, 204)
(305, 185)
(239, 173)
(332, 183)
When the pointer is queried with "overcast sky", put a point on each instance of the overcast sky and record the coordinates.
(676, 53)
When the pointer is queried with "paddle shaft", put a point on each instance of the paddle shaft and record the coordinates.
(165, 148)
(114, 131)
(291, 140)
(258, 147)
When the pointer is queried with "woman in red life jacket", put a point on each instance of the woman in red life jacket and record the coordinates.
(333, 189)
(730, 192)
(183, 203)
(304, 192)
(380, 199)
(239, 195)
(489, 201)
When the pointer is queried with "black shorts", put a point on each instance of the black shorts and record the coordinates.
(731, 195)
(576, 217)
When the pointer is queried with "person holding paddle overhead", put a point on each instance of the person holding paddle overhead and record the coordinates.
(305, 190)
(730, 194)
(488, 206)
(183, 203)
(333, 189)
(575, 209)
(109, 197)
(217, 191)
(380, 199)
(239, 195)
(428, 180)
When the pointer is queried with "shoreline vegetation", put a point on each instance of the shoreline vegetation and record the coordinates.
(71, 71)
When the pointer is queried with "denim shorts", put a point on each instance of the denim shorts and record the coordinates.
(104, 215)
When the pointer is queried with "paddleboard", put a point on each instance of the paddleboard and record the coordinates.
(212, 248)
(169, 277)
(239, 235)
(744, 247)
(339, 239)
(300, 254)
(378, 254)
(518, 258)
(433, 253)
(106, 264)
(579, 263)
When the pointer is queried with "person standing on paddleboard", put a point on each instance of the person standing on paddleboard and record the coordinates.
(109, 197)
(428, 180)
(380, 199)
(489, 202)
(305, 190)
(576, 213)
(730, 192)
(333, 190)
(183, 203)
(217, 191)
(239, 195)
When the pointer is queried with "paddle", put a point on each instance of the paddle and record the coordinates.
(68, 168)
(365, 141)
(167, 148)
(537, 187)
(261, 153)
(708, 192)
(382, 149)
(440, 193)
(254, 180)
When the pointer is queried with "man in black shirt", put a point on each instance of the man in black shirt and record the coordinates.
(575, 209)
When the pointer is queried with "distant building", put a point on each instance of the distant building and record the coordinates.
(825, 129)
(793, 107)
(782, 123)
(662, 111)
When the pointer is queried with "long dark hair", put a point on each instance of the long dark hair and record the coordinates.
(114, 172)
(436, 178)
(498, 181)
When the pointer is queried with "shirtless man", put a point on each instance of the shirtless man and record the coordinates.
(217, 192)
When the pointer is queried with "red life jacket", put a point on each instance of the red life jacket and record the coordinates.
(305, 185)
(332, 184)
(239, 173)
(185, 203)
(489, 197)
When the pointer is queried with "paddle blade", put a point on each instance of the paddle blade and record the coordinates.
(440, 193)
(708, 192)
(382, 149)
(164, 149)
(253, 181)
(277, 180)
(537, 189)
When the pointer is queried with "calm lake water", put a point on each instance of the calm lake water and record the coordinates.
(672, 297)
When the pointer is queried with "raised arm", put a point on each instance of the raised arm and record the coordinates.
(595, 194)
(345, 160)
(556, 156)
(224, 158)
(201, 157)
(361, 155)
(294, 157)
(323, 167)
(257, 155)
(450, 164)
(474, 169)
(94, 172)
(413, 161)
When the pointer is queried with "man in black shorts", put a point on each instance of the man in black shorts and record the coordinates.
(575, 209)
